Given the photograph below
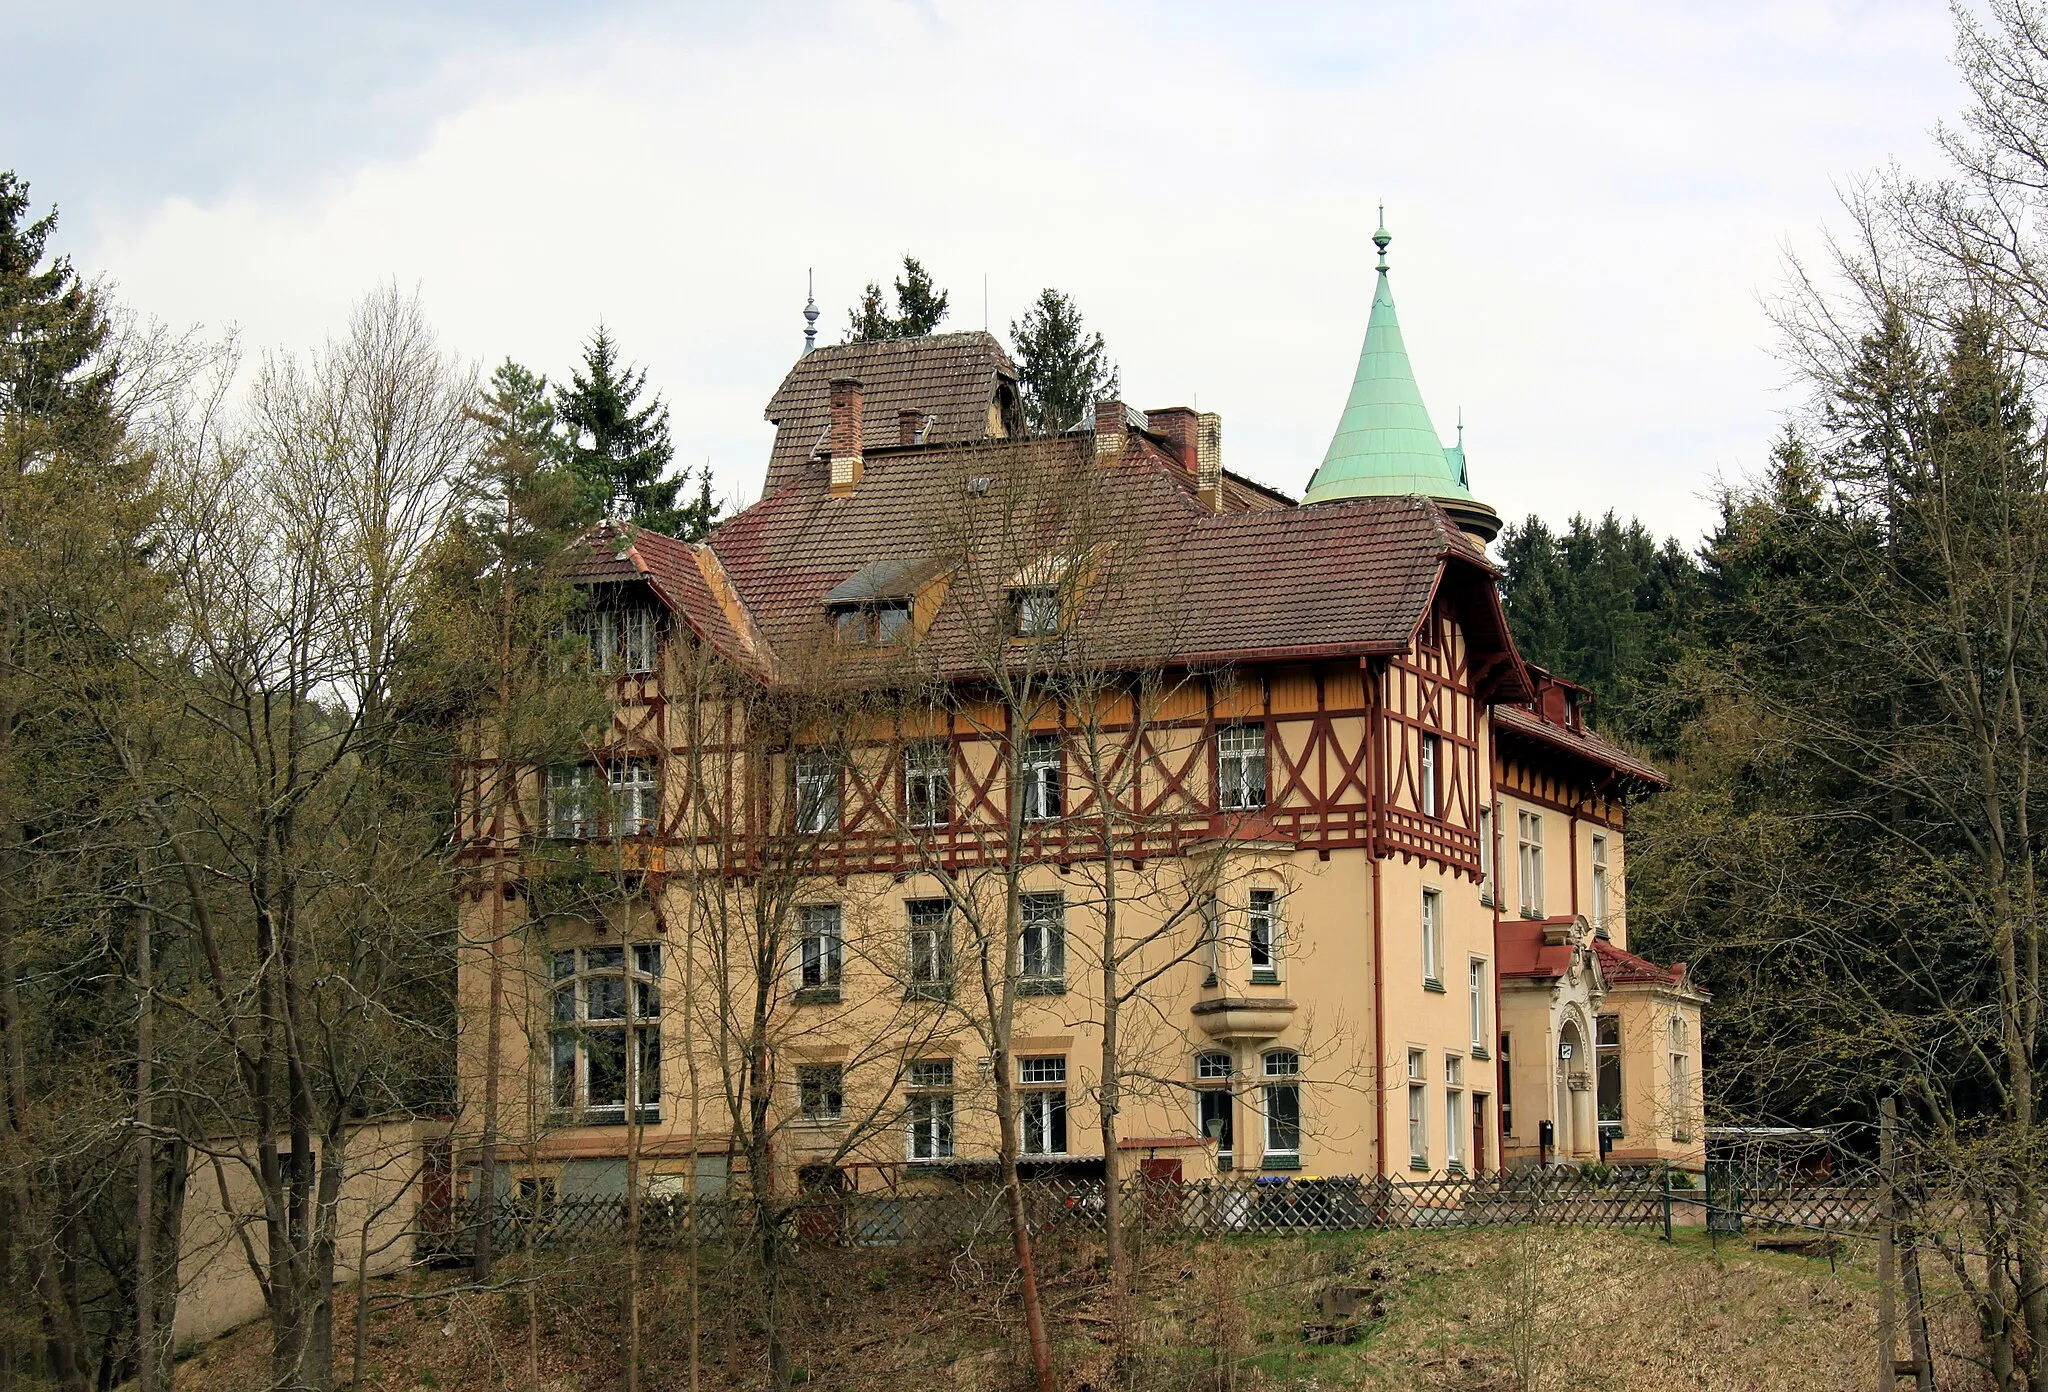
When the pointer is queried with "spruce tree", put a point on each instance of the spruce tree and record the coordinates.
(620, 450)
(56, 386)
(1063, 369)
(920, 308)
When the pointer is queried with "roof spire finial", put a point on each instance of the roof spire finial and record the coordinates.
(810, 310)
(1381, 238)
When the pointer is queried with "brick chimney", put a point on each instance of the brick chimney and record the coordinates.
(1176, 426)
(1112, 429)
(908, 423)
(844, 442)
(1209, 459)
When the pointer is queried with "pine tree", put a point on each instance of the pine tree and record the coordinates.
(620, 450)
(920, 308)
(1064, 370)
(53, 394)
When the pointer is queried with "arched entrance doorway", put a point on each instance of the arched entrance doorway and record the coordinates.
(1574, 1059)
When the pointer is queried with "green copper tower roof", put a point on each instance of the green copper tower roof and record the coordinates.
(1385, 444)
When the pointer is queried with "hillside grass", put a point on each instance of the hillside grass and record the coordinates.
(1492, 1310)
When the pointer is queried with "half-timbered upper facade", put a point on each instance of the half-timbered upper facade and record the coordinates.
(946, 691)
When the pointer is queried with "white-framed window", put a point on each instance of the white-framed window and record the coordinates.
(1045, 938)
(621, 640)
(1599, 880)
(1486, 891)
(1529, 840)
(1241, 767)
(931, 1109)
(1213, 1102)
(1681, 1080)
(1041, 772)
(1432, 938)
(1607, 1083)
(821, 948)
(1283, 1104)
(1035, 611)
(636, 796)
(817, 790)
(1262, 933)
(821, 1091)
(1475, 988)
(1431, 790)
(1454, 1110)
(572, 805)
(1418, 1111)
(928, 783)
(592, 1067)
(1042, 1102)
(931, 948)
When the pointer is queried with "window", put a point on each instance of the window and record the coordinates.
(931, 1109)
(821, 1091)
(1432, 753)
(928, 783)
(1529, 826)
(822, 951)
(1045, 941)
(1681, 1081)
(1041, 770)
(621, 640)
(881, 624)
(817, 791)
(1476, 993)
(1607, 1072)
(1212, 1103)
(1599, 881)
(1432, 939)
(1454, 1111)
(1241, 767)
(1044, 1104)
(1263, 934)
(636, 796)
(1283, 1105)
(592, 1066)
(1035, 611)
(1212, 937)
(1486, 855)
(572, 806)
(1507, 1089)
(1418, 1112)
(931, 949)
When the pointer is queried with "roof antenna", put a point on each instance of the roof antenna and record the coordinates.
(810, 311)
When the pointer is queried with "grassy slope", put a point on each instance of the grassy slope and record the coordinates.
(1490, 1309)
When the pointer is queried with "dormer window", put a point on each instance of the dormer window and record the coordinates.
(621, 640)
(881, 624)
(1035, 611)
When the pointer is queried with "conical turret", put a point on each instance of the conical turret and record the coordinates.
(1385, 445)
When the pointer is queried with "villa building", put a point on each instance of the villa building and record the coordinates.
(896, 742)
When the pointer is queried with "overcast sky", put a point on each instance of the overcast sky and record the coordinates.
(1590, 202)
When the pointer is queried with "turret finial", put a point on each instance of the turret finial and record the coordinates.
(810, 311)
(1382, 237)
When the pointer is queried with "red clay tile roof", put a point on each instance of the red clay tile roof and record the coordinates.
(1178, 582)
(951, 377)
(1623, 968)
(1584, 743)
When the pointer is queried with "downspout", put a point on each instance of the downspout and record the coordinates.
(1374, 697)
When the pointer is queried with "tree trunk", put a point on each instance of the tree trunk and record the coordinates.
(145, 1158)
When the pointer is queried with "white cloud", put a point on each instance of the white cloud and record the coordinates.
(1587, 202)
